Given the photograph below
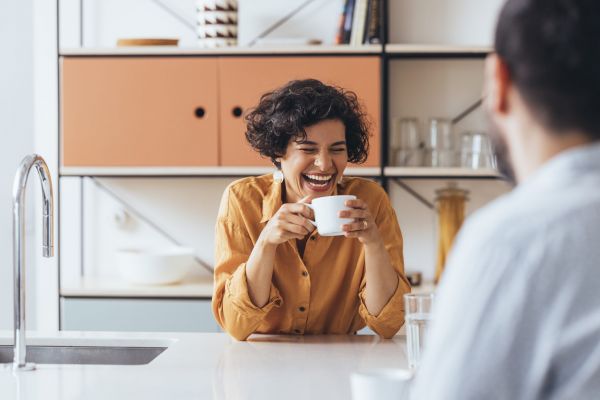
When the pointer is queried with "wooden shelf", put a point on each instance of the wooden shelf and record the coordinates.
(390, 49)
(224, 51)
(191, 171)
(401, 50)
(226, 172)
(441, 173)
(196, 287)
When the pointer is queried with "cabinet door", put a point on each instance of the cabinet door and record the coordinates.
(139, 111)
(149, 315)
(243, 80)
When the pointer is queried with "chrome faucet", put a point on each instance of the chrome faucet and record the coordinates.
(19, 186)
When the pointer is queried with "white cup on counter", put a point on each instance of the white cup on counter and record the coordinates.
(326, 214)
(381, 384)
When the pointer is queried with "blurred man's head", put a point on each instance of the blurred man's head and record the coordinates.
(543, 83)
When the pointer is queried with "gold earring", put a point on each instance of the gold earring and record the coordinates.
(278, 176)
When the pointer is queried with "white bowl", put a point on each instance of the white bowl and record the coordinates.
(158, 266)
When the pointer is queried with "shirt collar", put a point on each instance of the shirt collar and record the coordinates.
(568, 165)
(272, 200)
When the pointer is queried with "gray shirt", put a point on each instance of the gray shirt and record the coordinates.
(517, 313)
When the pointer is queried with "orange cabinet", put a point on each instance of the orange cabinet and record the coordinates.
(187, 111)
(243, 80)
(139, 111)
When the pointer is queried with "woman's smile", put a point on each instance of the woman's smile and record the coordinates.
(318, 183)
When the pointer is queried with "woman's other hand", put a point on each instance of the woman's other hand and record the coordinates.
(291, 221)
(364, 227)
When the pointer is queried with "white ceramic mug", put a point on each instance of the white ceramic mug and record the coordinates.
(381, 384)
(326, 214)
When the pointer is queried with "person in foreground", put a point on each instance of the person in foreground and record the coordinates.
(274, 273)
(518, 310)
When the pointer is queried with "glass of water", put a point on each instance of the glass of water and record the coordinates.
(418, 321)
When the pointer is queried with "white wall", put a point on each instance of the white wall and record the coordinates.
(16, 133)
(105, 21)
(466, 22)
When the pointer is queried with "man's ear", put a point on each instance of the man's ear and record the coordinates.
(496, 85)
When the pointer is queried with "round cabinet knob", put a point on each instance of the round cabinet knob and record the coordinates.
(199, 112)
(237, 111)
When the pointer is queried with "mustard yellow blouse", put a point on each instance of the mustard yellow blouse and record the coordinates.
(322, 292)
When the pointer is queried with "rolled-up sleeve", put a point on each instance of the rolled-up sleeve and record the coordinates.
(232, 307)
(391, 317)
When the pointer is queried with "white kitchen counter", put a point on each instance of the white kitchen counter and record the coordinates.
(209, 366)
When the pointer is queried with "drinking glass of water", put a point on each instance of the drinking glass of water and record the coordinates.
(418, 320)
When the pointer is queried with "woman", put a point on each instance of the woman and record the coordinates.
(274, 273)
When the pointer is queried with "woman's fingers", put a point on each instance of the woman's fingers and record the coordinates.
(356, 213)
(293, 228)
(306, 199)
(298, 208)
(300, 221)
(357, 203)
(357, 226)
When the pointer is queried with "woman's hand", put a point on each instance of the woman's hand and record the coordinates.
(364, 227)
(289, 222)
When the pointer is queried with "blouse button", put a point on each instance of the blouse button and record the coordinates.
(304, 273)
(302, 309)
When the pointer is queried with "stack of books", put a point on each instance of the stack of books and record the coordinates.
(360, 23)
(216, 23)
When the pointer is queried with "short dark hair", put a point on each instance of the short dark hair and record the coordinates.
(552, 52)
(284, 113)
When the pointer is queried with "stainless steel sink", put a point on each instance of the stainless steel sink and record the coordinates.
(85, 355)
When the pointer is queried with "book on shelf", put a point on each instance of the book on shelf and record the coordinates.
(373, 23)
(339, 36)
(345, 23)
(359, 22)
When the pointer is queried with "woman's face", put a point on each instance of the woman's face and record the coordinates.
(313, 166)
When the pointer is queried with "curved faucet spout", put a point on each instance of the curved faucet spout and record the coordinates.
(19, 189)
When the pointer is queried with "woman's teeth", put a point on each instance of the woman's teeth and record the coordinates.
(318, 180)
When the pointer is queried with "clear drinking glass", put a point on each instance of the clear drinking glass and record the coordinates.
(405, 142)
(440, 136)
(417, 315)
(440, 146)
(476, 151)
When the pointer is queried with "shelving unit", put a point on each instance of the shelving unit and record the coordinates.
(387, 54)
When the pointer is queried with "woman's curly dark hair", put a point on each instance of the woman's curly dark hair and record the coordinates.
(284, 113)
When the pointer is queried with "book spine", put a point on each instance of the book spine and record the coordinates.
(358, 23)
(349, 14)
(373, 23)
(339, 37)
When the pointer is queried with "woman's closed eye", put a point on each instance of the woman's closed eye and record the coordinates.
(310, 150)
